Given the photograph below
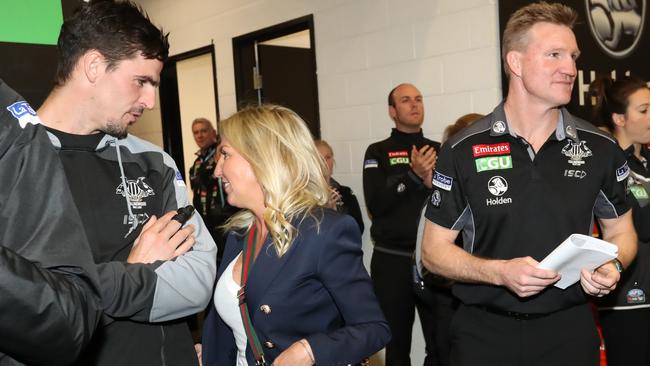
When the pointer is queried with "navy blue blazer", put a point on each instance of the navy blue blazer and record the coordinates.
(319, 290)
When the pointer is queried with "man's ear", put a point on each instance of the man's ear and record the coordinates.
(392, 112)
(93, 64)
(513, 58)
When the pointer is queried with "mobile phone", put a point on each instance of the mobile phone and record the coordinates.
(184, 214)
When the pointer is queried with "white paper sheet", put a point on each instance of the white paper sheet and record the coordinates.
(575, 253)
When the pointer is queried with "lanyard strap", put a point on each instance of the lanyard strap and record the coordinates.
(248, 257)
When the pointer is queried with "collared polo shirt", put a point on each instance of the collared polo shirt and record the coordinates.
(632, 290)
(510, 201)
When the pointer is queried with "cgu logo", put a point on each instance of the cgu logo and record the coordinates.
(400, 160)
(493, 163)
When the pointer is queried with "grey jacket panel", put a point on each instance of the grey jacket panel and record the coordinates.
(184, 285)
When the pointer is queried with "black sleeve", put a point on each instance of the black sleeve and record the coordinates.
(352, 205)
(614, 200)
(641, 216)
(49, 298)
(46, 315)
(448, 201)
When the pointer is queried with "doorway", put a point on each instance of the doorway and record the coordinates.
(278, 65)
(188, 89)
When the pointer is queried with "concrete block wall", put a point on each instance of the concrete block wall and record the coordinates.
(447, 48)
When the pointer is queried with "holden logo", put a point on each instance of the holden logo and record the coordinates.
(499, 127)
(497, 185)
(616, 25)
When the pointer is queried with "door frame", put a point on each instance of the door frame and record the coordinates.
(275, 31)
(170, 110)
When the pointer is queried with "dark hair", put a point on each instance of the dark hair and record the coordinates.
(391, 101)
(515, 35)
(613, 97)
(119, 30)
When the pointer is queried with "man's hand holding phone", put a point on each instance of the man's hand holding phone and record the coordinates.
(163, 238)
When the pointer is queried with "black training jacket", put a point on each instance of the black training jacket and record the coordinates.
(394, 193)
(49, 303)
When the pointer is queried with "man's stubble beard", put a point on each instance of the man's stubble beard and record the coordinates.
(116, 130)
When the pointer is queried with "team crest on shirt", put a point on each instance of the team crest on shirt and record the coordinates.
(436, 198)
(576, 152)
(136, 190)
(24, 113)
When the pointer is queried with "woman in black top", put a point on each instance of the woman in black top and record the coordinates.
(342, 198)
(623, 106)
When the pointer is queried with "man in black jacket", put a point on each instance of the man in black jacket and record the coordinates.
(397, 175)
(49, 303)
(127, 189)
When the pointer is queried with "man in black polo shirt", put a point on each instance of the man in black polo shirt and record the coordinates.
(396, 183)
(517, 183)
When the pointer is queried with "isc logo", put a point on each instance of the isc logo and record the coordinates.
(572, 173)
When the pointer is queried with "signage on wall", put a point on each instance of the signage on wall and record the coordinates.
(612, 37)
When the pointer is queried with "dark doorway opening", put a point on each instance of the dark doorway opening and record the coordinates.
(271, 67)
(170, 109)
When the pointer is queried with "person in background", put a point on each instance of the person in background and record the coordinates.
(517, 183)
(342, 199)
(209, 199)
(435, 290)
(127, 190)
(293, 289)
(462, 122)
(396, 183)
(623, 106)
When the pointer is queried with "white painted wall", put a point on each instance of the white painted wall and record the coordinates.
(149, 125)
(447, 48)
(196, 96)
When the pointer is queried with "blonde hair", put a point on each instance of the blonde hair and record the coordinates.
(278, 145)
(515, 36)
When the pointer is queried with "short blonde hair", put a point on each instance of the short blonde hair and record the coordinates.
(204, 121)
(279, 147)
(515, 35)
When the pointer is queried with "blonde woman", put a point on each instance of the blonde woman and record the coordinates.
(292, 289)
(342, 199)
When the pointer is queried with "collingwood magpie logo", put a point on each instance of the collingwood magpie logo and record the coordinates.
(576, 152)
(616, 25)
(136, 190)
